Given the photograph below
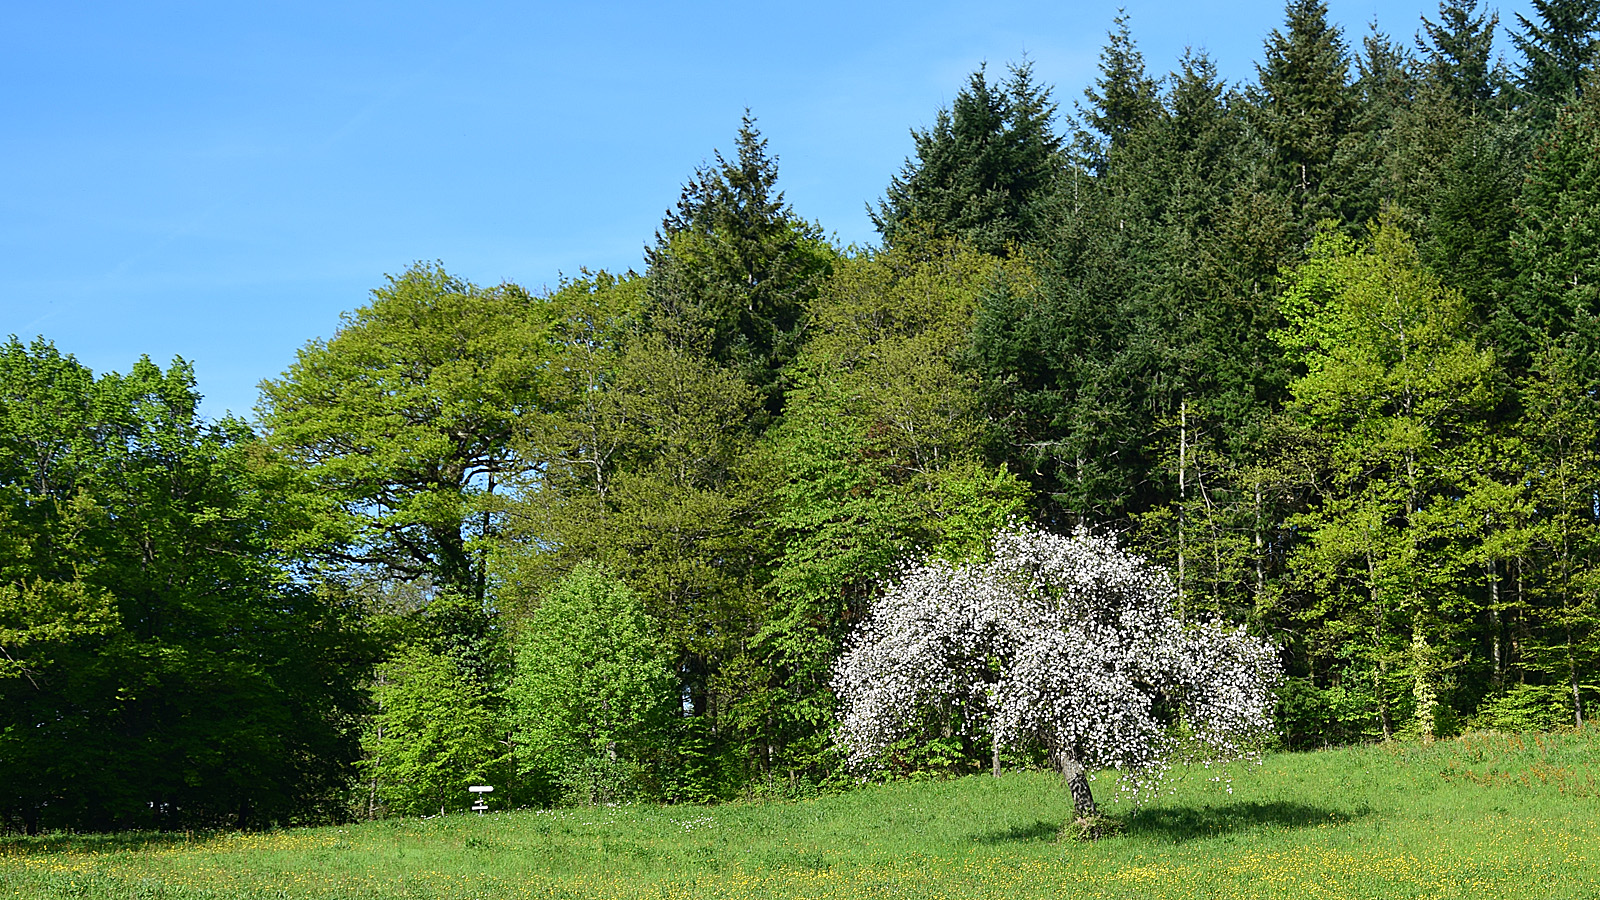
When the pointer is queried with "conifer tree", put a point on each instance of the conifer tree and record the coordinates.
(1556, 246)
(1123, 99)
(1557, 51)
(1307, 109)
(982, 170)
(1456, 52)
(1461, 157)
(732, 268)
(1373, 156)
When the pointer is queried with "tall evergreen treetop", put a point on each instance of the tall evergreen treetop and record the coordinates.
(1386, 91)
(1386, 82)
(1307, 105)
(1556, 51)
(733, 266)
(1456, 51)
(739, 194)
(1123, 97)
(981, 169)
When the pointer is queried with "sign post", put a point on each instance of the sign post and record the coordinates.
(480, 802)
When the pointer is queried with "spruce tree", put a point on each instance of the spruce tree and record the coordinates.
(1557, 51)
(1461, 157)
(1456, 52)
(733, 267)
(1556, 246)
(1307, 109)
(1373, 154)
(1123, 98)
(981, 171)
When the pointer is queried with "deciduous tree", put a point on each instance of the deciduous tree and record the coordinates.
(1069, 643)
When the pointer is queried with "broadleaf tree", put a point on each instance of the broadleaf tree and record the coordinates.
(1068, 643)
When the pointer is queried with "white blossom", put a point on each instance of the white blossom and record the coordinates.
(1069, 643)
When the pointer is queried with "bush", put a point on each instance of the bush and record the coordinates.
(1524, 708)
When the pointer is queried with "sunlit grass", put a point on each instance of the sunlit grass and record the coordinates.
(1483, 815)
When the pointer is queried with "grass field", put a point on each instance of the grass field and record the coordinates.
(1485, 815)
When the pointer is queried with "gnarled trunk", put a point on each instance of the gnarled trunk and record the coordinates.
(1077, 778)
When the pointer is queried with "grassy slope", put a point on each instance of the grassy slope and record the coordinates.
(1496, 816)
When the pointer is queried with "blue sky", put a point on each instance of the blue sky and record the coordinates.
(220, 181)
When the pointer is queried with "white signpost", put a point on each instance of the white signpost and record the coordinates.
(480, 802)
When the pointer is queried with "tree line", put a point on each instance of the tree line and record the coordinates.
(1323, 344)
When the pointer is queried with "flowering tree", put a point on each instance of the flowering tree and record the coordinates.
(1068, 643)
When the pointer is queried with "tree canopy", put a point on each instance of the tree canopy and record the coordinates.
(1312, 357)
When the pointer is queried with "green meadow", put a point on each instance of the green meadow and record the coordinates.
(1482, 815)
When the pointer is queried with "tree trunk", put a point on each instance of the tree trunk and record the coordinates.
(1498, 676)
(1261, 579)
(1572, 679)
(1381, 670)
(1422, 680)
(1183, 495)
(1077, 778)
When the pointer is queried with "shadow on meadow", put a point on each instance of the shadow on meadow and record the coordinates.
(1040, 831)
(61, 842)
(1182, 823)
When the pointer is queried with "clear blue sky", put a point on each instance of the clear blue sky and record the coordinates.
(220, 180)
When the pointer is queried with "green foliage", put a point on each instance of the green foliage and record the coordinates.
(1472, 213)
(879, 464)
(1394, 388)
(1559, 535)
(593, 691)
(1456, 52)
(1307, 111)
(398, 429)
(430, 737)
(1524, 708)
(1345, 712)
(983, 170)
(1123, 99)
(733, 267)
(1558, 52)
(658, 476)
(1152, 301)
(1556, 244)
(158, 669)
(576, 444)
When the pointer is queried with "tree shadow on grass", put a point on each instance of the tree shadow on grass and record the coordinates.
(1038, 832)
(61, 842)
(1184, 823)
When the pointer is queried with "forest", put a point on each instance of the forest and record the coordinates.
(1325, 345)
